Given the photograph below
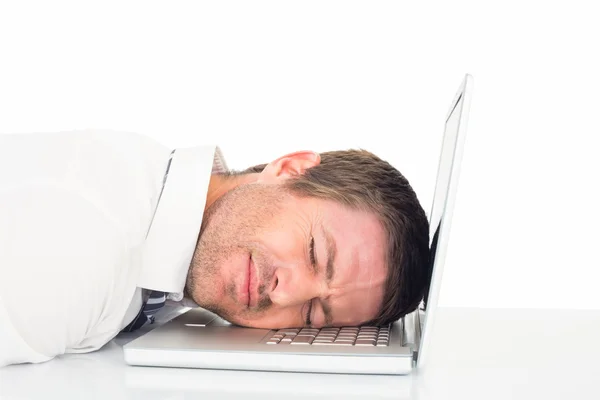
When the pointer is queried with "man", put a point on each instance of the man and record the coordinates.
(98, 230)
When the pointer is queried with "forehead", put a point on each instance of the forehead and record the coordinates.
(357, 289)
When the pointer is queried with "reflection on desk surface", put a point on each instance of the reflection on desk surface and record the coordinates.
(476, 354)
(106, 376)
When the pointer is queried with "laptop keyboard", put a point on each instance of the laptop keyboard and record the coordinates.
(346, 336)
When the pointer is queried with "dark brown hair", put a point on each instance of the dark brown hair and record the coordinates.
(360, 180)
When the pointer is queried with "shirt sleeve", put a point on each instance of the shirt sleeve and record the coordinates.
(73, 210)
(58, 257)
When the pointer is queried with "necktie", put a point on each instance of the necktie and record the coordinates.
(155, 301)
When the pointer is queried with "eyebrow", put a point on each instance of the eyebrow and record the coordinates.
(329, 271)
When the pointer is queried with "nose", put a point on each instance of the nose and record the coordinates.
(294, 285)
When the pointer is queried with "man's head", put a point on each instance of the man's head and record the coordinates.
(336, 239)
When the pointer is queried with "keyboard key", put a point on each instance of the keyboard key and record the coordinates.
(273, 341)
(312, 335)
(333, 344)
(309, 330)
(322, 341)
(288, 331)
(342, 336)
(365, 343)
(287, 339)
(303, 339)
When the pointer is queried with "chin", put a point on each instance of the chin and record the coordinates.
(248, 324)
(239, 320)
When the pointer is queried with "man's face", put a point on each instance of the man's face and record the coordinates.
(265, 257)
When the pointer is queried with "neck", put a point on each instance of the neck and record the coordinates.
(220, 184)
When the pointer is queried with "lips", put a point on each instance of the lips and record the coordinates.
(252, 284)
(243, 294)
(248, 289)
(248, 281)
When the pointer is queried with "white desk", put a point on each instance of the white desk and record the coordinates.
(475, 354)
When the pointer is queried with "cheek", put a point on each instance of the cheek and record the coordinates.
(284, 244)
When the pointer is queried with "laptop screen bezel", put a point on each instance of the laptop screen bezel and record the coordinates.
(444, 198)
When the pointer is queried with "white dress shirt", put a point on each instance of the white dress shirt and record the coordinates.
(88, 219)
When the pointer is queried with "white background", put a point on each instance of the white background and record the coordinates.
(264, 78)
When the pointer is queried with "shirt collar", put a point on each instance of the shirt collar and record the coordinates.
(171, 241)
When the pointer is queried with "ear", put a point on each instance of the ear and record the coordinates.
(289, 165)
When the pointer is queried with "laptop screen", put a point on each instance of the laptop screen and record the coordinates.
(442, 185)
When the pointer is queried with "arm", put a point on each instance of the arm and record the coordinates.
(59, 256)
(74, 208)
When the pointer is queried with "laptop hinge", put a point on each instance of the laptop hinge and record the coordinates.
(411, 332)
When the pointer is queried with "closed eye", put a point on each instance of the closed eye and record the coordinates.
(313, 262)
(313, 259)
(307, 320)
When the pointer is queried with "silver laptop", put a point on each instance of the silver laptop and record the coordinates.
(200, 339)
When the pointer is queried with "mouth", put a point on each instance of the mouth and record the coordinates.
(252, 284)
(248, 294)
